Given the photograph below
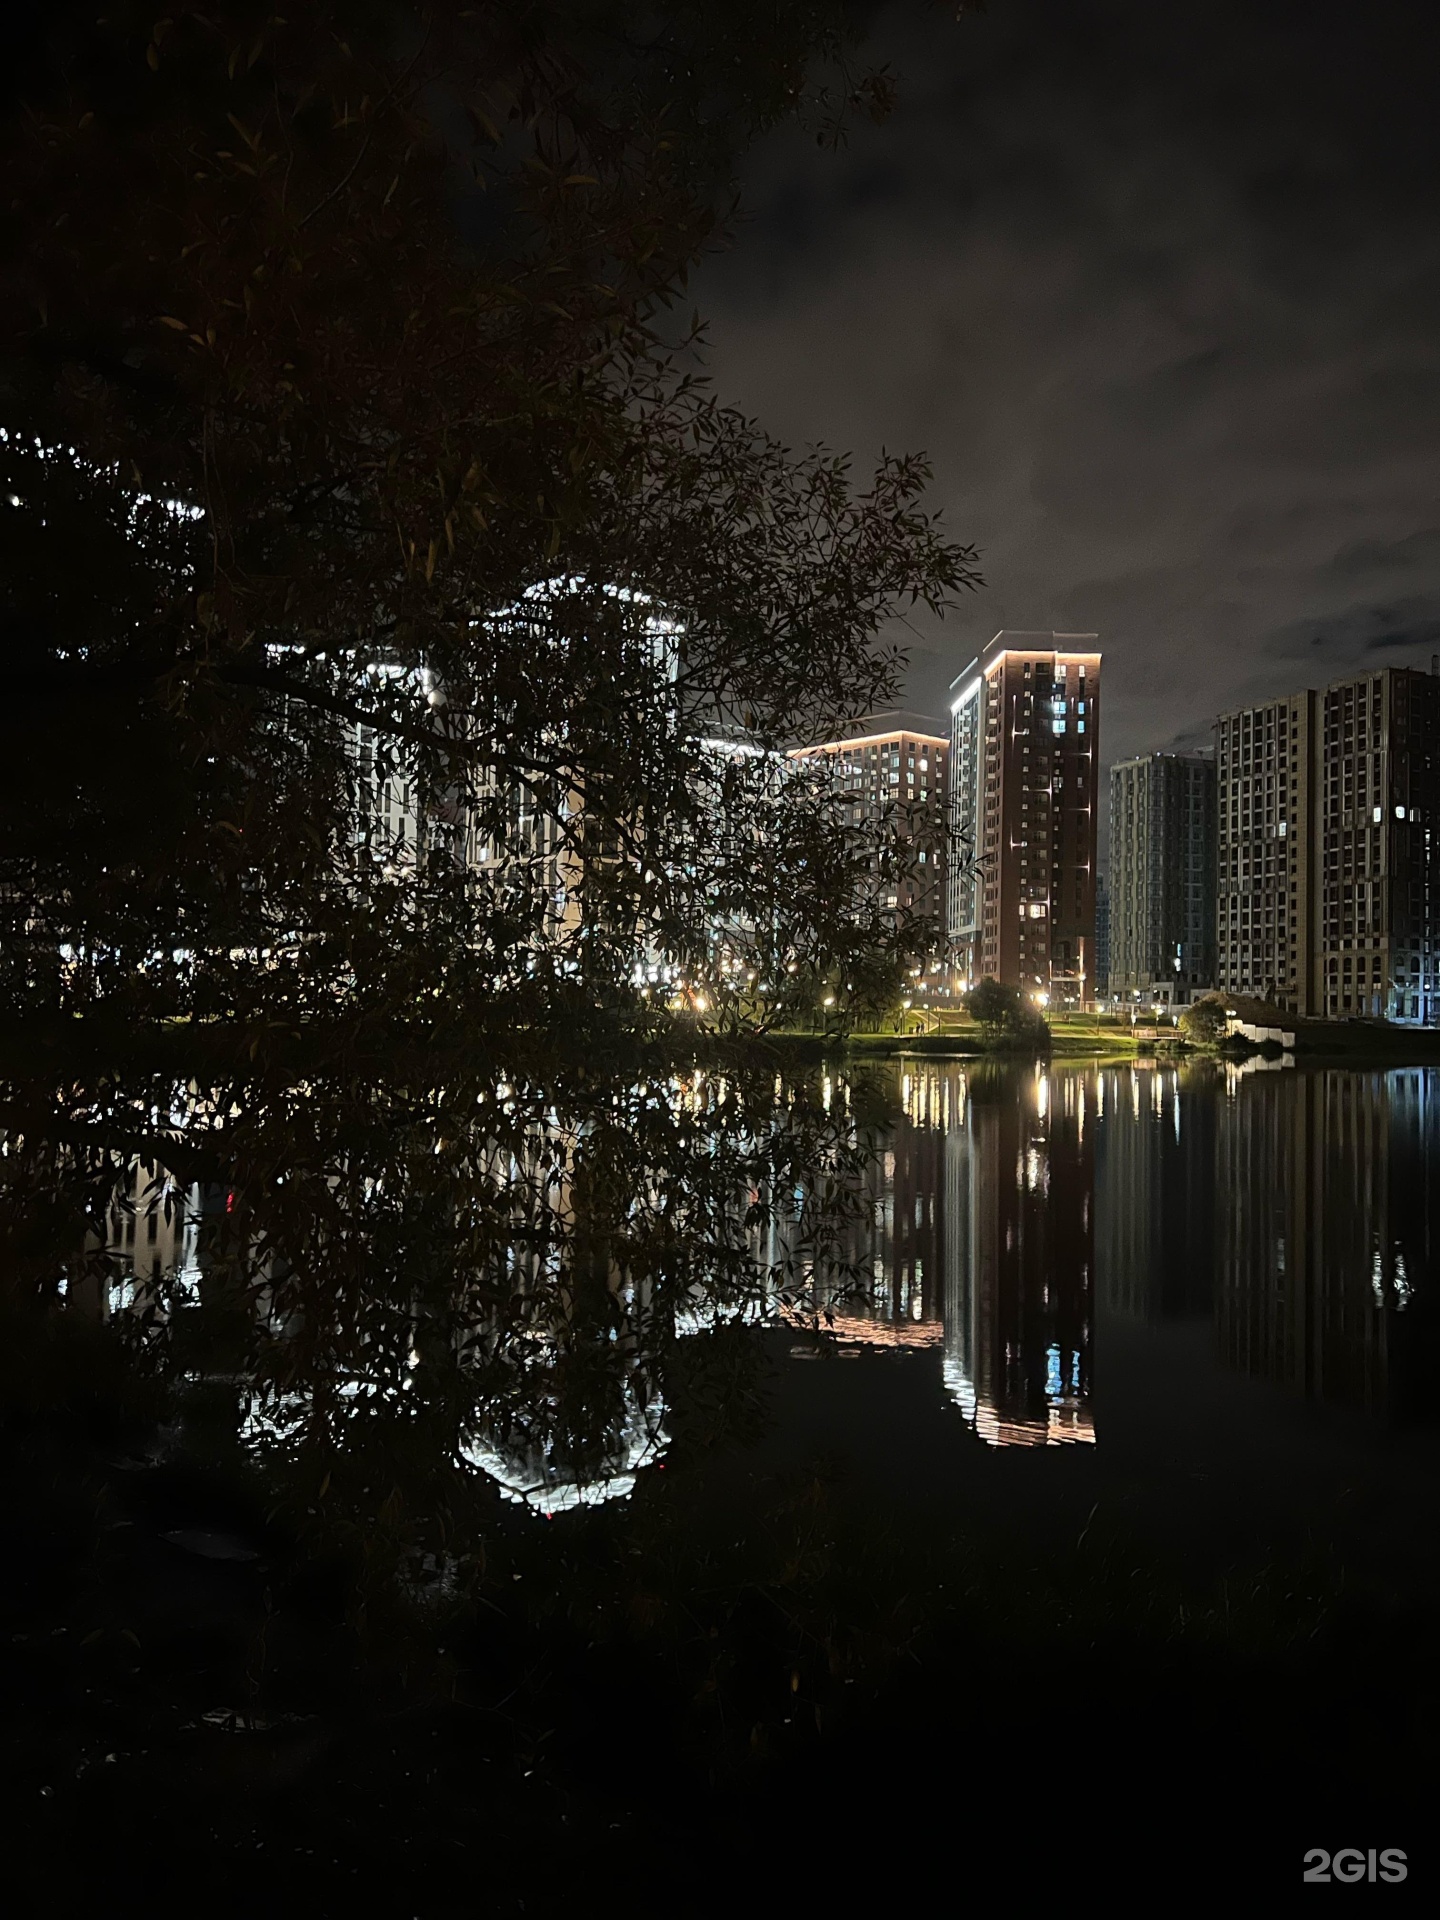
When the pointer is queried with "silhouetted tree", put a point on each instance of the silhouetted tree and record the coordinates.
(338, 406)
(400, 641)
(1005, 1016)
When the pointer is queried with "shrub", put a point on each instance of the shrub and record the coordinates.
(1005, 1016)
(1203, 1025)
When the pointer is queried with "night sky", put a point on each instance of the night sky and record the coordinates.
(1157, 285)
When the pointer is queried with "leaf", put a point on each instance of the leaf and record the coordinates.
(152, 57)
(169, 320)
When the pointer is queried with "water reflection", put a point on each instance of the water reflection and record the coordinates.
(976, 1240)
(1020, 1181)
(494, 1287)
(1326, 1234)
(1295, 1211)
(985, 1217)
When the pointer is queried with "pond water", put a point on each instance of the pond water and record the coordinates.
(1202, 1296)
(1204, 1292)
(1100, 1424)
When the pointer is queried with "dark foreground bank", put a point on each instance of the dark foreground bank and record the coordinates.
(766, 1675)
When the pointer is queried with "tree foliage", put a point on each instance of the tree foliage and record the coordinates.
(1005, 1016)
(1203, 1023)
(382, 303)
(401, 641)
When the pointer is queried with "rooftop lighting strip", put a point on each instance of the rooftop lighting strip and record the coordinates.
(866, 740)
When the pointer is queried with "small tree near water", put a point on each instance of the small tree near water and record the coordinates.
(1203, 1024)
(1003, 1014)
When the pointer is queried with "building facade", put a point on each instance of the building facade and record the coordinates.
(1377, 935)
(1265, 761)
(891, 776)
(1328, 893)
(1102, 936)
(1024, 749)
(1162, 878)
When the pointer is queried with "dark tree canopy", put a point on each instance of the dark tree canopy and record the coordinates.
(1004, 1014)
(401, 644)
(383, 302)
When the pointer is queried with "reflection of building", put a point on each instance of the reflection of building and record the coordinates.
(1155, 1190)
(1162, 877)
(533, 1469)
(153, 1224)
(879, 1282)
(1019, 1239)
(1327, 1218)
(890, 772)
(1024, 749)
(975, 1238)
(898, 1245)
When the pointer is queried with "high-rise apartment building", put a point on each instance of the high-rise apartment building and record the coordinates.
(1162, 878)
(1329, 849)
(1024, 747)
(1377, 934)
(1102, 935)
(891, 772)
(1265, 786)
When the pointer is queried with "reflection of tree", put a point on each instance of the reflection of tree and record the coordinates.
(482, 1278)
(891, 1255)
(401, 642)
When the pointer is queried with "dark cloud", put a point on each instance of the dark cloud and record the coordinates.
(1375, 558)
(1157, 286)
(1399, 626)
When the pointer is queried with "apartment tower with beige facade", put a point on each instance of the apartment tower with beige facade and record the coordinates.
(890, 776)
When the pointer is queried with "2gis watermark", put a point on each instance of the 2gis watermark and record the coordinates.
(1354, 1864)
